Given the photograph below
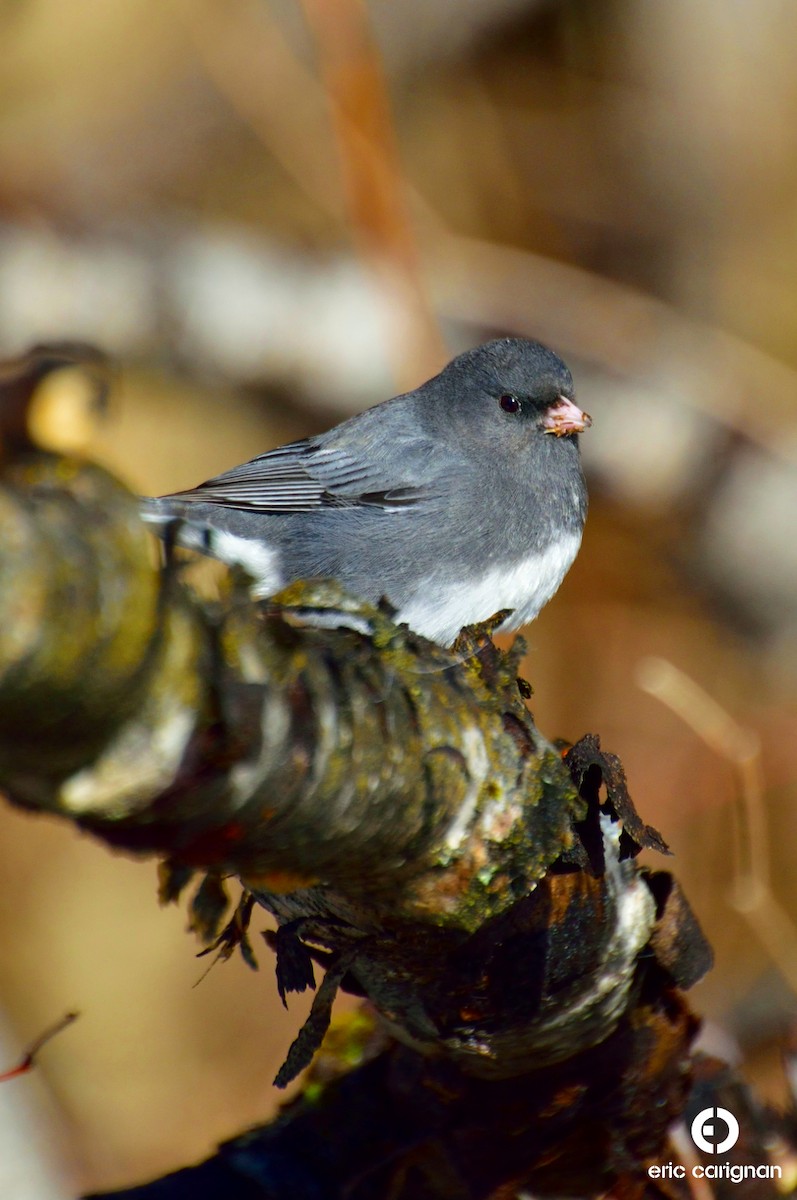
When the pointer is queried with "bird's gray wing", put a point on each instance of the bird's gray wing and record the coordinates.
(318, 473)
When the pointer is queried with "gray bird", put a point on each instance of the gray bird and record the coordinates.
(455, 500)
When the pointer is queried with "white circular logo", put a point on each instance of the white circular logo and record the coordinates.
(705, 1134)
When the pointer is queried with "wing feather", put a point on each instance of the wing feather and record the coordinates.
(312, 474)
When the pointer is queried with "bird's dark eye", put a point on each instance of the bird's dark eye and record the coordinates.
(510, 404)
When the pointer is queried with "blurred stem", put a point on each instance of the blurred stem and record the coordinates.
(361, 185)
(354, 81)
(751, 893)
(246, 57)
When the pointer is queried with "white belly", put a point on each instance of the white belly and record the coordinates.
(440, 610)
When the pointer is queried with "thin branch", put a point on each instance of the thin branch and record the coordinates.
(751, 891)
(28, 1059)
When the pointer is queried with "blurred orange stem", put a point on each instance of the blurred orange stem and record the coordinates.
(351, 71)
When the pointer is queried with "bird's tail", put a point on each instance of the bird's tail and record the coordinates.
(156, 512)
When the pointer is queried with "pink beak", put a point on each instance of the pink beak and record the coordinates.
(565, 417)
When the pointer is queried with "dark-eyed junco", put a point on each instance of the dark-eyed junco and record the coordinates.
(458, 499)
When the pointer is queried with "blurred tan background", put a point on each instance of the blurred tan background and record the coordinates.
(274, 213)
